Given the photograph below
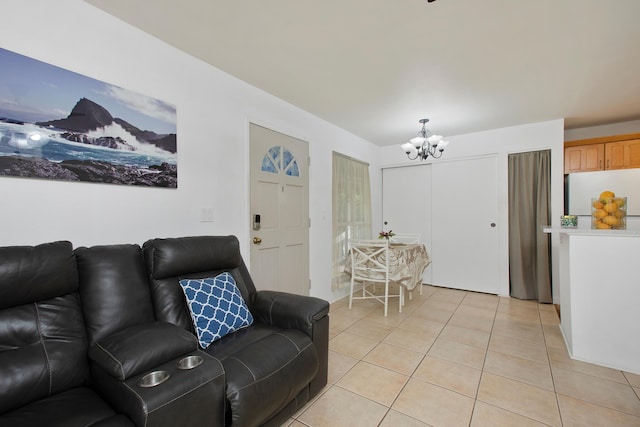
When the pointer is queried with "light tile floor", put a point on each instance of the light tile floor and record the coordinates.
(456, 358)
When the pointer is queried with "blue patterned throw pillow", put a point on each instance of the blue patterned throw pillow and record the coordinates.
(216, 306)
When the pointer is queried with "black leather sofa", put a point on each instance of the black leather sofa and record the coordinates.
(81, 330)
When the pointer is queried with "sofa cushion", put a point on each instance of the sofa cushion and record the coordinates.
(114, 289)
(267, 372)
(77, 407)
(170, 260)
(45, 350)
(232, 343)
(216, 306)
(43, 344)
(35, 273)
(185, 255)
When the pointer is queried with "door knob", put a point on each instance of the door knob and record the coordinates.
(493, 224)
(257, 240)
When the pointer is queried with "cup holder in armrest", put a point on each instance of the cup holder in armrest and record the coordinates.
(190, 362)
(154, 378)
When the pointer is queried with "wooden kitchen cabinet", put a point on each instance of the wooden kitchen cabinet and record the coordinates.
(584, 158)
(622, 155)
(606, 153)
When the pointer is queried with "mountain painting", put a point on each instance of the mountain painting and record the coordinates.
(57, 124)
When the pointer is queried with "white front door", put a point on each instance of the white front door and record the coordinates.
(464, 205)
(279, 171)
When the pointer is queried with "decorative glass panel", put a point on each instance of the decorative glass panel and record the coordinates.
(267, 165)
(274, 152)
(292, 169)
(279, 159)
(287, 156)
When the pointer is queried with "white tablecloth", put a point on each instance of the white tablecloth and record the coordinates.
(406, 264)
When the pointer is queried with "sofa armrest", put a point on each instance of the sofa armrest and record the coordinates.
(141, 348)
(191, 396)
(289, 311)
(308, 314)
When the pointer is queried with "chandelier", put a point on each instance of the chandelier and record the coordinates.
(425, 144)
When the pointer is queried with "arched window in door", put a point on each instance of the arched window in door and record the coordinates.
(280, 160)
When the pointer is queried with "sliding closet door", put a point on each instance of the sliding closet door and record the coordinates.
(406, 203)
(465, 224)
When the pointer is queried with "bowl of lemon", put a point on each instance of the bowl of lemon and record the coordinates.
(609, 212)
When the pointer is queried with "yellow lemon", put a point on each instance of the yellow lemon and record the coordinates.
(599, 213)
(611, 220)
(607, 194)
(602, 226)
(598, 204)
(610, 207)
(620, 201)
(619, 213)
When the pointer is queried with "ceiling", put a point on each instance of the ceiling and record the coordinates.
(375, 67)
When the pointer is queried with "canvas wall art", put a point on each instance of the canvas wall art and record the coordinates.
(61, 125)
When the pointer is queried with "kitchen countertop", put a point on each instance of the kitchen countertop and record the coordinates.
(590, 232)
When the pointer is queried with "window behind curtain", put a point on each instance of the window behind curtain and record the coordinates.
(351, 210)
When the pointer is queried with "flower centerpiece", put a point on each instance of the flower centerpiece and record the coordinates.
(386, 234)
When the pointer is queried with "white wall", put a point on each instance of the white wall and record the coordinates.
(502, 142)
(214, 111)
(604, 130)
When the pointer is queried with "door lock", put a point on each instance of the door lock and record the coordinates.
(257, 240)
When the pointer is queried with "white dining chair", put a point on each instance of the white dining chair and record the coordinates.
(407, 238)
(370, 263)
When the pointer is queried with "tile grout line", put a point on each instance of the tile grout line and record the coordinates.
(484, 361)
(547, 334)
(553, 380)
(426, 353)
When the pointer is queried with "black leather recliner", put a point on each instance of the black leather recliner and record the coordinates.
(79, 331)
(44, 370)
(273, 367)
(126, 343)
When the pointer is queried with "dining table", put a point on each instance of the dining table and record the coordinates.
(407, 262)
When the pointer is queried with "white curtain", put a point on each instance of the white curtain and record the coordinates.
(351, 210)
